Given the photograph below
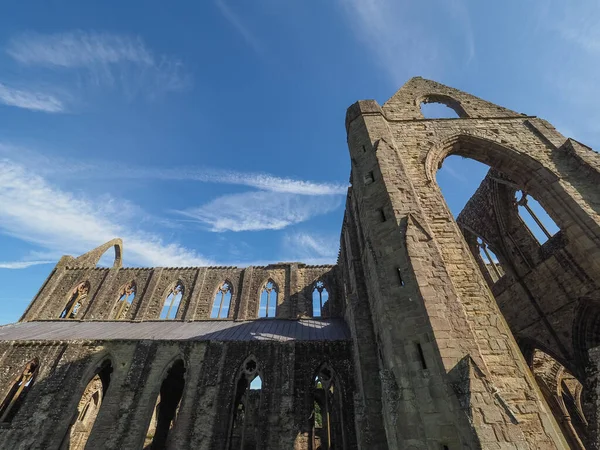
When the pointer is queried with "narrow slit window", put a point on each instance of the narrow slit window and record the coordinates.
(320, 297)
(382, 215)
(75, 301)
(369, 178)
(18, 391)
(172, 302)
(268, 300)
(220, 309)
(535, 217)
(400, 279)
(126, 296)
(421, 356)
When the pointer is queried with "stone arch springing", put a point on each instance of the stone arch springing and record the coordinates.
(222, 301)
(88, 407)
(166, 407)
(75, 300)
(124, 301)
(172, 302)
(245, 417)
(320, 297)
(450, 103)
(18, 390)
(269, 296)
(326, 420)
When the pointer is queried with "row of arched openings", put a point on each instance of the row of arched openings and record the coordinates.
(221, 304)
(325, 420)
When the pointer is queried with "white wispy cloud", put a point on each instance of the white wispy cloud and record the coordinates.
(108, 59)
(61, 223)
(261, 210)
(311, 248)
(26, 99)
(395, 32)
(237, 23)
(53, 167)
(22, 264)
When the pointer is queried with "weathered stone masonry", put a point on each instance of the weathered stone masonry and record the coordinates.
(420, 344)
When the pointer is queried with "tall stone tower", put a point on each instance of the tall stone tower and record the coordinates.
(429, 332)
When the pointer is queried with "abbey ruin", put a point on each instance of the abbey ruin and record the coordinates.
(429, 332)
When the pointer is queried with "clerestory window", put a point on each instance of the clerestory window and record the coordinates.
(76, 299)
(172, 302)
(268, 300)
(535, 217)
(220, 309)
(320, 297)
(126, 296)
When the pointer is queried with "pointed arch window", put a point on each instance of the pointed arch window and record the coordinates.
(245, 423)
(320, 297)
(18, 391)
(126, 297)
(326, 419)
(220, 309)
(172, 301)
(166, 407)
(490, 260)
(87, 409)
(535, 217)
(76, 299)
(268, 300)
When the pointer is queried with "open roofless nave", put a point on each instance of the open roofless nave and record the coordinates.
(429, 332)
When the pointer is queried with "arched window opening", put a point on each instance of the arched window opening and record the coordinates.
(166, 408)
(326, 418)
(220, 309)
(75, 300)
(490, 260)
(172, 302)
(563, 394)
(268, 300)
(438, 111)
(87, 409)
(535, 217)
(126, 296)
(320, 297)
(18, 391)
(245, 420)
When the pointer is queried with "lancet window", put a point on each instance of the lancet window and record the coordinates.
(320, 297)
(18, 391)
(76, 299)
(326, 419)
(220, 309)
(126, 296)
(166, 408)
(535, 217)
(268, 300)
(490, 260)
(172, 301)
(245, 420)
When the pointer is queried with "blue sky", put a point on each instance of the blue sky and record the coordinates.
(213, 132)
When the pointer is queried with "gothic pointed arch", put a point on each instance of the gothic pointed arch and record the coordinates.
(245, 421)
(166, 408)
(75, 300)
(222, 300)
(320, 298)
(18, 390)
(88, 408)
(269, 297)
(326, 420)
(91, 258)
(124, 301)
(172, 300)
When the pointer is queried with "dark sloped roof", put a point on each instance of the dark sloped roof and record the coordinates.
(209, 330)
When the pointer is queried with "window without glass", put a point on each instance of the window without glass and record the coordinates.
(222, 301)
(75, 300)
(18, 391)
(319, 299)
(326, 419)
(490, 260)
(87, 410)
(245, 418)
(268, 300)
(172, 301)
(166, 408)
(126, 296)
(535, 217)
